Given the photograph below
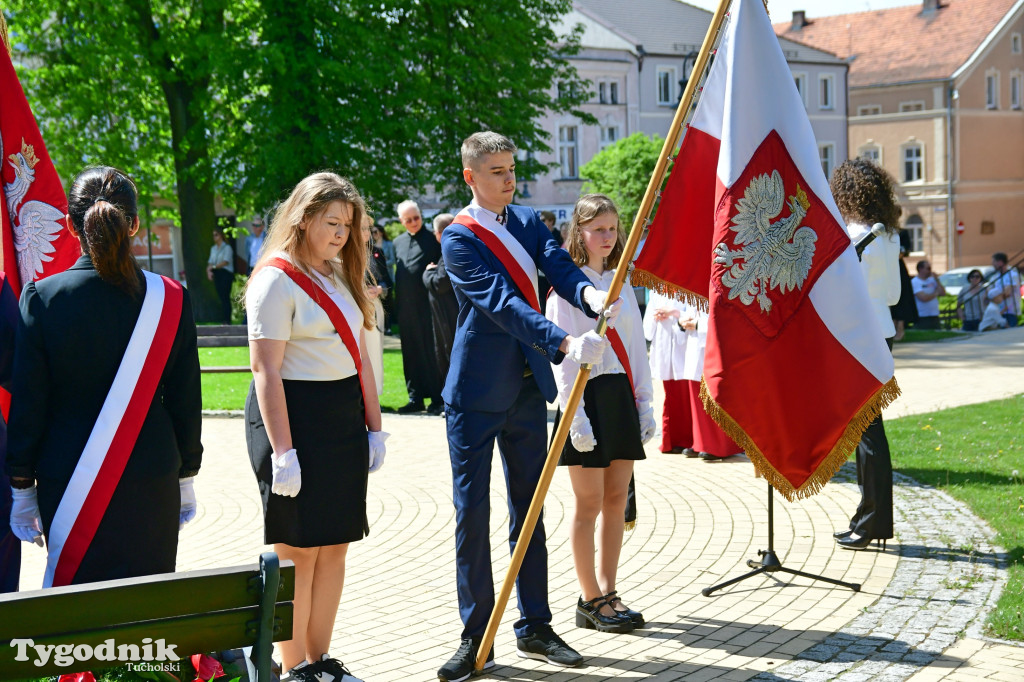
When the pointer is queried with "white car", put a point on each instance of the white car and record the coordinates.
(956, 279)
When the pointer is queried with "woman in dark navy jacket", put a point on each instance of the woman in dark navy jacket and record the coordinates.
(74, 332)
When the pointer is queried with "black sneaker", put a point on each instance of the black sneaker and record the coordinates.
(460, 666)
(411, 407)
(329, 669)
(544, 645)
(436, 408)
(303, 672)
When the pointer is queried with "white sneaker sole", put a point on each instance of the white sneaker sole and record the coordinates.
(487, 666)
(542, 657)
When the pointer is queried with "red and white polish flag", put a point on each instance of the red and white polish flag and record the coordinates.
(796, 365)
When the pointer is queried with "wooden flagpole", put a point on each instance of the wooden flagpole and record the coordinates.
(653, 187)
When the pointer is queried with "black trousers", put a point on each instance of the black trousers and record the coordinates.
(222, 281)
(874, 476)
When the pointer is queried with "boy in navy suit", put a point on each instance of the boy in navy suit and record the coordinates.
(498, 386)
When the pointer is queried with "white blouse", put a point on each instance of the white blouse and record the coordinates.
(880, 264)
(630, 328)
(277, 308)
(676, 354)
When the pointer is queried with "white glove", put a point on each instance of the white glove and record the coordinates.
(188, 501)
(586, 349)
(377, 449)
(25, 522)
(647, 425)
(582, 435)
(287, 474)
(595, 299)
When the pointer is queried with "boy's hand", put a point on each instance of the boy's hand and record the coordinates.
(586, 349)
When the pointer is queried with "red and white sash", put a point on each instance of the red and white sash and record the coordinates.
(322, 299)
(523, 282)
(116, 430)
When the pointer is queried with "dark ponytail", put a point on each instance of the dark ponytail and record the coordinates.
(103, 206)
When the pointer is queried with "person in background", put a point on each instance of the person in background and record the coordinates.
(972, 301)
(414, 250)
(387, 247)
(865, 194)
(613, 421)
(378, 286)
(443, 306)
(254, 242)
(72, 361)
(1008, 282)
(220, 269)
(672, 363)
(904, 313)
(312, 415)
(927, 289)
(548, 218)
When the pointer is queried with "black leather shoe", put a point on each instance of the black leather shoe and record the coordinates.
(411, 407)
(436, 408)
(690, 452)
(635, 617)
(854, 541)
(840, 534)
(460, 666)
(589, 617)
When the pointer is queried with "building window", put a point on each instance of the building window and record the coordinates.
(826, 91)
(609, 135)
(915, 228)
(1016, 82)
(913, 162)
(872, 152)
(602, 92)
(613, 92)
(800, 79)
(827, 154)
(568, 152)
(667, 85)
(563, 90)
(869, 110)
(912, 106)
(992, 90)
(1015, 43)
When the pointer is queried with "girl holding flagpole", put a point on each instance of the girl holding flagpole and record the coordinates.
(313, 417)
(614, 419)
(104, 429)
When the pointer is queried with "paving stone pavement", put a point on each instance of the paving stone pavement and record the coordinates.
(699, 522)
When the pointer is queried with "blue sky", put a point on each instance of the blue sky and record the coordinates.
(782, 10)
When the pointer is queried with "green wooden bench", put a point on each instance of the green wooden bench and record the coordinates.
(189, 612)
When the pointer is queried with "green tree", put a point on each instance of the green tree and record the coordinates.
(242, 98)
(622, 171)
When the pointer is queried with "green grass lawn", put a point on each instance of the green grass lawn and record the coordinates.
(913, 335)
(976, 454)
(228, 391)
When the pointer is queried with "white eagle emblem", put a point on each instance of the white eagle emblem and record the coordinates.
(36, 224)
(773, 255)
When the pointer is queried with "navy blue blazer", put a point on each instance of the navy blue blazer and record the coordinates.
(498, 333)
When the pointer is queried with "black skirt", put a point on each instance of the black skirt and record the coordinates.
(609, 405)
(329, 437)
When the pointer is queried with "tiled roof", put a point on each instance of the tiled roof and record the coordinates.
(903, 43)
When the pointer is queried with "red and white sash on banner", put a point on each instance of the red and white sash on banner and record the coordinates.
(323, 299)
(527, 289)
(116, 430)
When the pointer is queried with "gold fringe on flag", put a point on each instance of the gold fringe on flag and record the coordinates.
(832, 462)
(5, 35)
(642, 278)
(630, 525)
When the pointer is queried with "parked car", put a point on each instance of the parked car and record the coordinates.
(956, 279)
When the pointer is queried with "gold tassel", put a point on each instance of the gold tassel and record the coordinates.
(642, 278)
(630, 525)
(829, 466)
(5, 35)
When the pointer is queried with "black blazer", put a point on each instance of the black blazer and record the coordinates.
(73, 332)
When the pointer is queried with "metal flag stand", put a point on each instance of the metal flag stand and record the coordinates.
(562, 432)
(769, 562)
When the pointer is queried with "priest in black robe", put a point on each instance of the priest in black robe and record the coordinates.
(414, 250)
(443, 306)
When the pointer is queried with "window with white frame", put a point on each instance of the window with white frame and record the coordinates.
(826, 91)
(1016, 83)
(992, 89)
(917, 105)
(613, 92)
(827, 154)
(914, 226)
(609, 135)
(872, 152)
(602, 92)
(869, 110)
(1015, 43)
(569, 151)
(913, 162)
(667, 85)
(800, 79)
